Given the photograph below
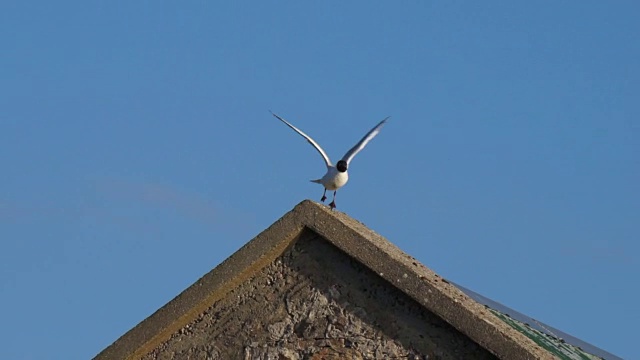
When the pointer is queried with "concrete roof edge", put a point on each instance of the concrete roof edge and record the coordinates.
(356, 240)
(420, 283)
(184, 308)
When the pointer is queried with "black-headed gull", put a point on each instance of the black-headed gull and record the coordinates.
(336, 176)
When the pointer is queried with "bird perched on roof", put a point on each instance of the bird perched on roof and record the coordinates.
(336, 176)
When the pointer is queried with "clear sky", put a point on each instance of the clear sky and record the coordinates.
(138, 152)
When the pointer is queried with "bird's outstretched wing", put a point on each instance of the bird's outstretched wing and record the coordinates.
(363, 142)
(309, 139)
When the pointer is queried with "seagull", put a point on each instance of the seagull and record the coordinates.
(336, 176)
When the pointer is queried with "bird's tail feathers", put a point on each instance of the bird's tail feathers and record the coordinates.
(319, 181)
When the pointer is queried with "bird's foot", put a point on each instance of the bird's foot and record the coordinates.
(324, 197)
(332, 205)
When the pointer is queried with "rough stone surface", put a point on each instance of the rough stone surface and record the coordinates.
(316, 302)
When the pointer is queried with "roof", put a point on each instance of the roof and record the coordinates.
(401, 271)
(556, 341)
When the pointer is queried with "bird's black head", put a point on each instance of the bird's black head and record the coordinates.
(342, 166)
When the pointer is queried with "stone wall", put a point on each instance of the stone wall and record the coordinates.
(315, 302)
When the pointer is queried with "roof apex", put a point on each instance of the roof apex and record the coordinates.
(357, 241)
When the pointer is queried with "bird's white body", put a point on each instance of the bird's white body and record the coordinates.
(336, 176)
(333, 179)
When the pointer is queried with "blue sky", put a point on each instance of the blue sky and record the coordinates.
(138, 151)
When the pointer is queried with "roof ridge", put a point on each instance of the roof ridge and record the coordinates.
(360, 243)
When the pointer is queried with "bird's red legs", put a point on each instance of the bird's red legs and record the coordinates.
(332, 205)
(324, 195)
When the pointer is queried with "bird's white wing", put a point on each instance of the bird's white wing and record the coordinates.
(309, 139)
(363, 142)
